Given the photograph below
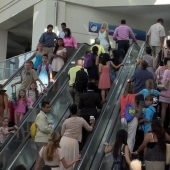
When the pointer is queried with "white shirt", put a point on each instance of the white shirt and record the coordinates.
(61, 34)
(155, 32)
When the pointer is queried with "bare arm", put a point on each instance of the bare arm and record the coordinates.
(4, 132)
(100, 68)
(162, 40)
(108, 148)
(165, 52)
(33, 56)
(19, 82)
(97, 60)
(145, 142)
(127, 157)
(116, 67)
(61, 56)
(38, 163)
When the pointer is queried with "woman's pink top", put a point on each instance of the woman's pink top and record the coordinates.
(21, 105)
(160, 72)
(70, 42)
(124, 101)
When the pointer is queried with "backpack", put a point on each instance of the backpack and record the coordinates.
(88, 60)
(156, 117)
(33, 130)
(46, 67)
(129, 111)
(81, 81)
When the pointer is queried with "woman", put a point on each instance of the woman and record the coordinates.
(163, 100)
(150, 60)
(155, 141)
(104, 80)
(103, 36)
(167, 49)
(3, 102)
(59, 56)
(38, 56)
(72, 134)
(117, 148)
(70, 43)
(53, 155)
(93, 70)
(128, 98)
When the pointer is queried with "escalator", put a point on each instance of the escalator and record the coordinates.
(107, 160)
(10, 146)
(108, 119)
(29, 146)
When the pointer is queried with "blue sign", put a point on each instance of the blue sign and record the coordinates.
(95, 27)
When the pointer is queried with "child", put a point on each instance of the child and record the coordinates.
(33, 93)
(20, 109)
(148, 114)
(4, 132)
(45, 72)
(104, 81)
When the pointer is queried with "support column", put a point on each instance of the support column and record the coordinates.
(44, 14)
(3, 44)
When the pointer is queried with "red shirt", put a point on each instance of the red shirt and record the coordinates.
(124, 101)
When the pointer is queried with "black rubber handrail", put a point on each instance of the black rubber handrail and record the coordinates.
(41, 97)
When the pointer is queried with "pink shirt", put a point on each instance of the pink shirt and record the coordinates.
(21, 105)
(123, 32)
(70, 42)
(124, 101)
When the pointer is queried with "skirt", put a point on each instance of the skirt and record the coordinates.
(70, 51)
(70, 148)
(154, 165)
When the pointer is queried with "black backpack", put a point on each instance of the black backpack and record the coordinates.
(81, 81)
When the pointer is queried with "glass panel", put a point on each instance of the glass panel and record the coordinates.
(58, 109)
(106, 118)
(10, 66)
(63, 77)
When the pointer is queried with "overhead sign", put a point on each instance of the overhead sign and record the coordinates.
(95, 27)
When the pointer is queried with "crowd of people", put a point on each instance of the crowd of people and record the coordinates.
(89, 83)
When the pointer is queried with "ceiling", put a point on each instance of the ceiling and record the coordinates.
(152, 12)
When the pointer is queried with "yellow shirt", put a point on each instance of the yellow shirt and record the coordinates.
(72, 73)
(100, 49)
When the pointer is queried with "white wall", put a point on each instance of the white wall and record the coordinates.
(77, 18)
(3, 44)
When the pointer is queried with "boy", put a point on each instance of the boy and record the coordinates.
(44, 72)
(148, 114)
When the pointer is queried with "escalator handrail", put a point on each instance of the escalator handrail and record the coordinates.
(17, 56)
(10, 137)
(116, 117)
(87, 144)
(142, 49)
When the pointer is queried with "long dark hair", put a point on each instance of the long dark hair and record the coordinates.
(36, 91)
(68, 33)
(95, 50)
(121, 138)
(104, 58)
(128, 89)
(57, 46)
(160, 134)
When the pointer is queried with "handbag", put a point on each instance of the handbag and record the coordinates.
(167, 154)
(164, 86)
(112, 73)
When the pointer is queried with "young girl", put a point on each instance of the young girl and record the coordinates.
(20, 109)
(59, 56)
(4, 132)
(104, 81)
(33, 93)
(128, 97)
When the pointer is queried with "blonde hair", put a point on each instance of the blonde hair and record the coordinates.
(104, 25)
(52, 145)
(136, 165)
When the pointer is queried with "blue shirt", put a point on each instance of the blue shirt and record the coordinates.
(43, 73)
(146, 92)
(148, 114)
(38, 60)
(48, 39)
(139, 78)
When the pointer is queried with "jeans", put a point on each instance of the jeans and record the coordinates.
(123, 46)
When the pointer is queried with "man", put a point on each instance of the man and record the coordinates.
(28, 75)
(44, 127)
(121, 35)
(47, 39)
(156, 35)
(139, 78)
(100, 48)
(62, 33)
(72, 75)
(89, 101)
